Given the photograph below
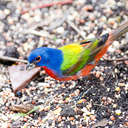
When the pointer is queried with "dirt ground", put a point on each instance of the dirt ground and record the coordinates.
(97, 101)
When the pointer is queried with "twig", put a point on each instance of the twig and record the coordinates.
(76, 29)
(48, 5)
(118, 59)
(34, 32)
(12, 59)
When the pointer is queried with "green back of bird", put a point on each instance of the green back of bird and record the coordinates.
(76, 56)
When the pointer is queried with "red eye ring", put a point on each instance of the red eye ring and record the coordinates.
(38, 58)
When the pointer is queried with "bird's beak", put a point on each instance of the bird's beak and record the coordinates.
(30, 66)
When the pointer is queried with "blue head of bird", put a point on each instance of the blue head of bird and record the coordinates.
(49, 57)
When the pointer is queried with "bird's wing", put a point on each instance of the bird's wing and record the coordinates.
(78, 55)
(71, 55)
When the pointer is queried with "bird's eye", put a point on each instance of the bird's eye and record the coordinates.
(38, 58)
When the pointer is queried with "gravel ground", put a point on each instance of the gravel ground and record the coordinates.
(104, 93)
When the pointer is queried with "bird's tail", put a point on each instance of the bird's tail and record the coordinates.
(115, 34)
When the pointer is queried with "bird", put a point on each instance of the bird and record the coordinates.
(75, 60)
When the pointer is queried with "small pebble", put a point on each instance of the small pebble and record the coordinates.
(93, 117)
(116, 70)
(110, 122)
(33, 102)
(126, 123)
(112, 118)
(117, 89)
(118, 112)
(88, 8)
(71, 118)
(25, 119)
(19, 94)
(60, 30)
(57, 111)
(98, 74)
(104, 98)
(126, 62)
(101, 78)
(2, 15)
(81, 101)
(109, 100)
(59, 119)
(121, 84)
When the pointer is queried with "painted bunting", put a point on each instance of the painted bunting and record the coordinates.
(75, 60)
